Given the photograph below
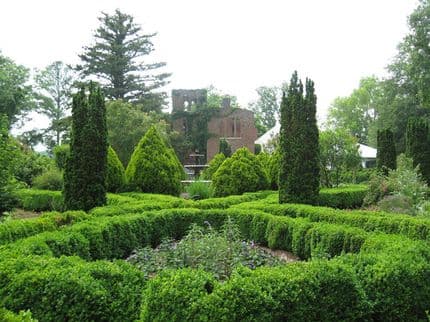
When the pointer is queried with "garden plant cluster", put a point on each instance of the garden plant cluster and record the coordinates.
(355, 264)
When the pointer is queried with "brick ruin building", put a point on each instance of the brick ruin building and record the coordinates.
(235, 125)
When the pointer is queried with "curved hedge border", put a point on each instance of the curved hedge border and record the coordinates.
(376, 277)
(412, 227)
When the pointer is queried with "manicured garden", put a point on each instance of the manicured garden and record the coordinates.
(355, 265)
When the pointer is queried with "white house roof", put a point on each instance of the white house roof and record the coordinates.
(366, 152)
(266, 137)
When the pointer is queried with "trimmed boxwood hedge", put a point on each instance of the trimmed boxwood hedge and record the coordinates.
(370, 275)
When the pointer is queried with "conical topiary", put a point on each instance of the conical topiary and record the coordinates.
(154, 167)
(115, 178)
(214, 164)
(240, 173)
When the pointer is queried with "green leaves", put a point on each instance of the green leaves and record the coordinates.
(85, 174)
(154, 167)
(240, 173)
(299, 170)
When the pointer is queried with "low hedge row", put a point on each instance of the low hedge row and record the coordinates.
(384, 277)
(371, 286)
(226, 202)
(70, 289)
(319, 291)
(116, 237)
(348, 197)
(344, 197)
(13, 230)
(412, 227)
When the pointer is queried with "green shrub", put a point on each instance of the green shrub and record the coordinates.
(224, 147)
(49, 180)
(61, 153)
(344, 197)
(154, 167)
(397, 204)
(214, 164)
(30, 164)
(415, 228)
(71, 289)
(115, 176)
(199, 190)
(294, 293)
(86, 167)
(172, 296)
(13, 230)
(22, 316)
(240, 173)
(39, 200)
(274, 164)
(386, 156)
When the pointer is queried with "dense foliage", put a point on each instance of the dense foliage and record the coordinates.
(54, 92)
(214, 164)
(403, 190)
(386, 155)
(365, 278)
(338, 155)
(7, 158)
(418, 145)
(224, 147)
(127, 123)
(218, 252)
(15, 93)
(299, 148)
(85, 174)
(240, 173)
(61, 154)
(115, 176)
(154, 166)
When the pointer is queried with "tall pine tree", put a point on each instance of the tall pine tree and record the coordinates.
(418, 145)
(85, 174)
(299, 147)
(386, 153)
(116, 59)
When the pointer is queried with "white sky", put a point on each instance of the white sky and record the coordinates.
(235, 45)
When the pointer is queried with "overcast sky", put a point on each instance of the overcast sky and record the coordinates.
(236, 45)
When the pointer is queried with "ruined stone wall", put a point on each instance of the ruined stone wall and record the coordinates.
(237, 127)
(182, 99)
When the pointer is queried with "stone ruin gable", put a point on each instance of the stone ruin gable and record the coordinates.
(236, 126)
(182, 99)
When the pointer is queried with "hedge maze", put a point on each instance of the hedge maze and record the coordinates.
(356, 265)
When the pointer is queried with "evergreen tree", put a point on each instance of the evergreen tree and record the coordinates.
(116, 59)
(224, 148)
(115, 178)
(299, 171)
(85, 174)
(8, 155)
(386, 155)
(418, 145)
(154, 166)
(240, 173)
(214, 164)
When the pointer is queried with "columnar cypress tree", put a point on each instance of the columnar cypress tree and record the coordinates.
(299, 171)
(85, 173)
(418, 145)
(386, 155)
